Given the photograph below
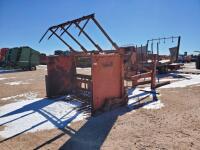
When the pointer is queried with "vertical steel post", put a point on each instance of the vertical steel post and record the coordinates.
(157, 52)
(152, 47)
(178, 47)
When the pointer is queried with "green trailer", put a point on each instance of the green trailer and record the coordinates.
(28, 58)
(11, 57)
(22, 57)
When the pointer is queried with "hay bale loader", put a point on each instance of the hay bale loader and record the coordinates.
(22, 57)
(103, 87)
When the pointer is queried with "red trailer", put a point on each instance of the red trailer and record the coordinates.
(3, 52)
(43, 59)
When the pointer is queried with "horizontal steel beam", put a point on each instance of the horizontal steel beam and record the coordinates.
(73, 21)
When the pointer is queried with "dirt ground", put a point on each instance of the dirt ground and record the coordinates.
(174, 126)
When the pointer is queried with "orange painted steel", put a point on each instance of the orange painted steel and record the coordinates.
(151, 74)
(106, 82)
(105, 86)
(59, 80)
(107, 77)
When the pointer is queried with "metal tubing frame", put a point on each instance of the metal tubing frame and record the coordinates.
(76, 22)
(70, 35)
(97, 46)
(83, 27)
(106, 35)
(66, 29)
(71, 49)
(164, 38)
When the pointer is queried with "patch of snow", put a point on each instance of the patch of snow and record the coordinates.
(7, 78)
(29, 96)
(137, 95)
(188, 81)
(16, 83)
(170, 79)
(2, 79)
(42, 67)
(38, 114)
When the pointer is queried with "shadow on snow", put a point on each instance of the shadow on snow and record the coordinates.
(91, 135)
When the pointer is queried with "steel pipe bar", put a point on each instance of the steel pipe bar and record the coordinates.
(106, 35)
(83, 27)
(52, 33)
(70, 35)
(97, 46)
(65, 29)
(74, 21)
(43, 35)
(70, 48)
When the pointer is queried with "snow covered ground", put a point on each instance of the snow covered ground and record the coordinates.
(190, 79)
(37, 114)
(7, 78)
(135, 95)
(31, 114)
(17, 83)
(29, 96)
(42, 67)
(3, 79)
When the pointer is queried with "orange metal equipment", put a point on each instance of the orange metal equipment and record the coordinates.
(107, 79)
(105, 84)
(59, 78)
(104, 88)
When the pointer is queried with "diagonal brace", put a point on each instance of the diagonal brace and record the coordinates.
(81, 46)
(97, 46)
(71, 49)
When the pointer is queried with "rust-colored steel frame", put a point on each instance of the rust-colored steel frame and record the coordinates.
(105, 85)
(99, 89)
(76, 22)
(158, 40)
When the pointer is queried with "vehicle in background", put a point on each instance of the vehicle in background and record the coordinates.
(3, 52)
(184, 58)
(43, 59)
(24, 58)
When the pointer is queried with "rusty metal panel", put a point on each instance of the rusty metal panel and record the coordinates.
(83, 86)
(107, 77)
(59, 80)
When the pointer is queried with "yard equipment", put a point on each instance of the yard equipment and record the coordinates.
(103, 87)
(3, 52)
(28, 58)
(174, 51)
(43, 59)
(22, 57)
(165, 63)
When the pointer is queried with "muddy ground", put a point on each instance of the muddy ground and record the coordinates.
(174, 126)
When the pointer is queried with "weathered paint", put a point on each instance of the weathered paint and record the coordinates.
(59, 80)
(107, 79)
